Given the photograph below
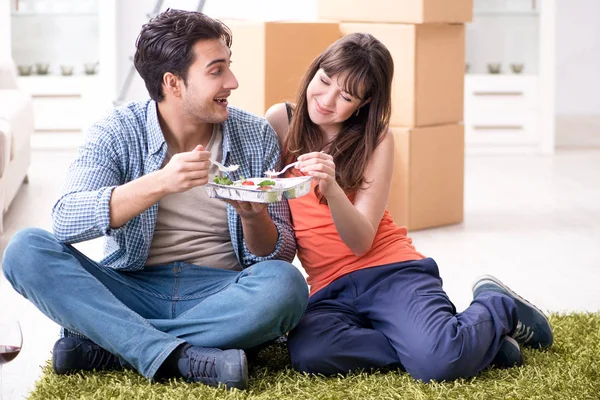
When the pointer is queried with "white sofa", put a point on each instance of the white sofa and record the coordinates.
(16, 128)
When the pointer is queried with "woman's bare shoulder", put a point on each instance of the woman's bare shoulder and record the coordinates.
(277, 116)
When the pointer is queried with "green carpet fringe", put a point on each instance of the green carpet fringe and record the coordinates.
(569, 370)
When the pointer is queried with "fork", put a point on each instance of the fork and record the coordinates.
(273, 174)
(223, 168)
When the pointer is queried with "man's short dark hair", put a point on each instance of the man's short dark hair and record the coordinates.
(165, 45)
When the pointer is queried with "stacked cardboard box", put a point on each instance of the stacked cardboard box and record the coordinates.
(426, 39)
(270, 58)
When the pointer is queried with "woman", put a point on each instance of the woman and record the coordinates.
(376, 302)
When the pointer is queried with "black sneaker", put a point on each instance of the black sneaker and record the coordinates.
(533, 329)
(214, 366)
(71, 354)
(509, 354)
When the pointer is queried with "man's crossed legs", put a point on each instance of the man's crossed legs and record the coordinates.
(172, 320)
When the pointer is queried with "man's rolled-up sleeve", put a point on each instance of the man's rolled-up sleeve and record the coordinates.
(83, 210)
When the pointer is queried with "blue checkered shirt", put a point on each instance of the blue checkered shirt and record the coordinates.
(128, 144)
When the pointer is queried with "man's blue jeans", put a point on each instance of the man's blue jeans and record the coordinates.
(143, 316)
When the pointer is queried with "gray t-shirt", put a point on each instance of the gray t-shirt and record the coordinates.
(191, 227)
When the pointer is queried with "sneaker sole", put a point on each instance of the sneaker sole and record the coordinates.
(488, 278)
(244, 371)
(244, 368)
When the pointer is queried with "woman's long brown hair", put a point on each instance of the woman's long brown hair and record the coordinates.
(367, 68)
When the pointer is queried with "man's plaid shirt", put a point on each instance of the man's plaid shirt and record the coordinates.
(128, 144)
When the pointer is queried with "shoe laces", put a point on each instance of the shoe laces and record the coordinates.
(202, 366)
(99, 358)
(523, 333)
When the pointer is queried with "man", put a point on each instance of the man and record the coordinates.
(188, 281)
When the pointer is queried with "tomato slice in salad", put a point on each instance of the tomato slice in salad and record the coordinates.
(248, 183)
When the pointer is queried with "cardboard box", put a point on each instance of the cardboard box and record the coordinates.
(269, 59)
(429, 72)
(428, 180)
(407, 11)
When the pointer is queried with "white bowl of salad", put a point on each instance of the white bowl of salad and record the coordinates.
(259, 190)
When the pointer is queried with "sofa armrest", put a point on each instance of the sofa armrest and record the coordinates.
(16, 107)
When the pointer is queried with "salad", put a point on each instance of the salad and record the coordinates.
(260, 184)
(259, 190)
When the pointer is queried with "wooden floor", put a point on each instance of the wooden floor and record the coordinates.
(533, 222)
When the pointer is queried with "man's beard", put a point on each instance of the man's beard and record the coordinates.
(206, 115)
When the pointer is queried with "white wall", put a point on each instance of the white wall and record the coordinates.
(262, 10)
(57, 33)
(578, 57)
(132, 14)
(505, 39)
(577, 50)
(577, 74)
(69, 40)
(5, 42)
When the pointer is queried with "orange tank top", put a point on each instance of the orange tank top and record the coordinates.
(323, 254)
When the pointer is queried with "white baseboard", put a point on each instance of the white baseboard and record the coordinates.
(578, 131)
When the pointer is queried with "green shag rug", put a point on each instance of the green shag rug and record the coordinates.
(569, 370)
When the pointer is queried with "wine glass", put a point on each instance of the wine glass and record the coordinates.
(11, 340)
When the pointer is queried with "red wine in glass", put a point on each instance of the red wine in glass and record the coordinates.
(11, 341)
(8, 353)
